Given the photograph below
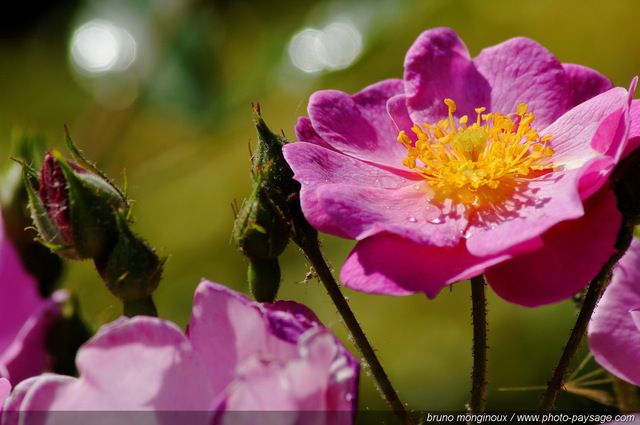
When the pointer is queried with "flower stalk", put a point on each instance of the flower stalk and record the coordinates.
(479, 373)
(595, 290)
(311, 247)
(265, 223)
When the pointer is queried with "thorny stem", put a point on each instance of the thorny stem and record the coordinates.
(479, 374)
(311, 248)
(596, 287)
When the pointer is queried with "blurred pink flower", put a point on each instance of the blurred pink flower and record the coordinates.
(5, 389)
(497, 164)
(237, 355)
(24, 317)
(614, 330)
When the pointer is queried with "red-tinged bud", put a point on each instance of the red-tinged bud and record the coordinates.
(73, 208)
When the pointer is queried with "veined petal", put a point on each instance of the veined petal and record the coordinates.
(141, 363)
(573, 252)
(438, 66)
(227, 328)
(584, 83)
(315, 167)
(574, 134)
(540, 205)
(407, 212)
(522, 71)
(359, 125)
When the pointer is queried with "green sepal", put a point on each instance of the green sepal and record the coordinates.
(261, 229)
(90, 166)
(131, 270)
(264, 279)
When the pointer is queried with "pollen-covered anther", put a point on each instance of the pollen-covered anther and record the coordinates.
(464, 161)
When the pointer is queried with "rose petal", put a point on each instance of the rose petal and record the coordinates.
(315, 166)
(391, 265)
(574, 134)
(359, 125)
(572, 254)
(141, 363)
(543, 203)
(584, 83)
(406, 212)
(438, 66)
(522, 71)
(227, 328)
(19, 297)
(614, 338)
(27, 355)
(5, 389)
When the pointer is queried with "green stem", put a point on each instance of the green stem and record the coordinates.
(143, 306)
(310, 246)
(596, 287)
(479, 374)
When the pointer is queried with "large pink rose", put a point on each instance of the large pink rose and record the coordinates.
(497, 164)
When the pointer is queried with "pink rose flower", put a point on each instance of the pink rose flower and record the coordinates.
(614, 330)
(25, 317)
(497, 164)
(237, 355)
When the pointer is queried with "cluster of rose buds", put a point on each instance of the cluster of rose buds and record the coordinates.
(81, 214)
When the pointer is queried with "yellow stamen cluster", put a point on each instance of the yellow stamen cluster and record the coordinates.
(464, 162)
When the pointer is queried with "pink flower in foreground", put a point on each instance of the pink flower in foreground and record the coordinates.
(5, 389)
(497, 164)
(614, 330)
(237, 355)
(25, 317)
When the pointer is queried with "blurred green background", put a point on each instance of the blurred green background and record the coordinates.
(162, 89)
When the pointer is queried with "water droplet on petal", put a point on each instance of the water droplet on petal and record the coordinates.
(413, 219)
(433, 214)
(416, 186)
(388, 182)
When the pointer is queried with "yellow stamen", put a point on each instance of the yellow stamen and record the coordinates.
(469, 163)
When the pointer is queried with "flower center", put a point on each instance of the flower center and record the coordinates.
(478, 163)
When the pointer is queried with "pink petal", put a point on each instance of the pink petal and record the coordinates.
(574, 134)
(584, 83)
(19, 297)
(27, 354)
(359, 125)
(312, 383)
(391, 265)
(406, 211)
(397, 110)
(5, 389)
(315, 167)
(227, 328)
(634, 128)
(543, 203)
(438, 66)
(143, 363)
(614, 338)
(572, 254)
(522, 71)
(306, 133)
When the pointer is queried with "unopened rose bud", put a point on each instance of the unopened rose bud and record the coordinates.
(73, 208)
(263, 228)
